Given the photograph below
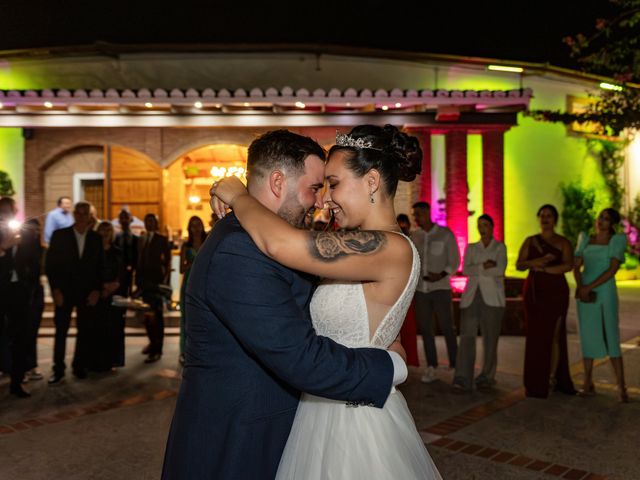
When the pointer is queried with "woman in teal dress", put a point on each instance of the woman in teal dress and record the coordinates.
(188, 252)
(597, 259)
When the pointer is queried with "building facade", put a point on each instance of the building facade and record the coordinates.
(151, 129)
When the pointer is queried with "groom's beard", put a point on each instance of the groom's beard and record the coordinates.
(294, 213)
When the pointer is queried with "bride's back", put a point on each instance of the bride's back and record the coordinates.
(359, 314)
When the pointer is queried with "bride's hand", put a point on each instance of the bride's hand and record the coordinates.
(223, 194)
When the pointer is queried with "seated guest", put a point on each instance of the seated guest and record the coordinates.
(74, 265)
(154, 268)
(482, 305)
(19, 269)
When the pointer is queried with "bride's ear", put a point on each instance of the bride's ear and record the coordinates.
(277, 183)
(373, 179)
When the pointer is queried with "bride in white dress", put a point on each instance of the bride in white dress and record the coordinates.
(374, 270)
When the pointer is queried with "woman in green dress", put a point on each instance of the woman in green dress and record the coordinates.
(188, 251)
(597, 259)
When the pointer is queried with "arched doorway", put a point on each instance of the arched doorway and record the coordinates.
(189, 177)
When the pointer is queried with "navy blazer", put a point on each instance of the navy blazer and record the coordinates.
(250, 350)
(76, 277)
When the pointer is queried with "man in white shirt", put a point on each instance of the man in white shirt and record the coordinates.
(74, 267)
(440, 258)
(482, 304)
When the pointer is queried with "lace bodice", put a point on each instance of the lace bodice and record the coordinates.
(339, 311)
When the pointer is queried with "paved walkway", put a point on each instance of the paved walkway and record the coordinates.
(114, 426)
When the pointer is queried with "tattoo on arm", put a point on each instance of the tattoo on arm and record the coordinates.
(331, 246)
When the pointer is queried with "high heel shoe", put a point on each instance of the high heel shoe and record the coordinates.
(589, 391)
(623, 397)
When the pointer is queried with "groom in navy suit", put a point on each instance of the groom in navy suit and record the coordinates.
(250, 347)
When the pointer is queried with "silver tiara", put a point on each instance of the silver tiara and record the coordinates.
(346, 140)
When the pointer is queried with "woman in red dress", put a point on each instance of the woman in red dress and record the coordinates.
(547, 256)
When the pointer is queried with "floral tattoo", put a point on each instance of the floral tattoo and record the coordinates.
(331, 246)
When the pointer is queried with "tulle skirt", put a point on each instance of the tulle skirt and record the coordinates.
(331, 441)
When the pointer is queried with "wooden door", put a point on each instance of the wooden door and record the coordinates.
(133, 180)
(93, 192)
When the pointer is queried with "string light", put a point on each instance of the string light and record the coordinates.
(504, 68)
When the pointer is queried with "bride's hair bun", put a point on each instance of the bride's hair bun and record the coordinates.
(396, 155)
(406, 152)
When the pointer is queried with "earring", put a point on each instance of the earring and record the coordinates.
(371, 199)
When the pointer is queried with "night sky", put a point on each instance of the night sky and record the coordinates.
(526, 30)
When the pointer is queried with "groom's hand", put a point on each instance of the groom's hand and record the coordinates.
(397, 347)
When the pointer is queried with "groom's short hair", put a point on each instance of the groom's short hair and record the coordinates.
(280, 149)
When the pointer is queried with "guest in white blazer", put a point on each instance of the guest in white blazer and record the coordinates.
(482, 305)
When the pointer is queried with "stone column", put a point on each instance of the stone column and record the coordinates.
(493, 179)
(456, 187)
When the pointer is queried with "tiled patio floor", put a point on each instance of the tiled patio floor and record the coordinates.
(114, 426)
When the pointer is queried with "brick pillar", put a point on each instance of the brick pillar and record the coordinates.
(456, 187)
(493, 179)
(424, 191)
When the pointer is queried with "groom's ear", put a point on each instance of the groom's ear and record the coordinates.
(277, 183)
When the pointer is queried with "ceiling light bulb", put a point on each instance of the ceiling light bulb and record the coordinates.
(148, 105)
(48, 104)
(384, 107)
(198, 104)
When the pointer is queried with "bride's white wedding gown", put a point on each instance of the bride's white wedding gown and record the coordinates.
(329, 440)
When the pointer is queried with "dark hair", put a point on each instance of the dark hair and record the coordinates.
(551, 208)
(64, 197)
(614, 217)
(488, 218)
(280, 149)
(126, 212)
(9, 202)
(396, 155)
(422, 206)
(203, 235)
(403, 217)
(82, 204)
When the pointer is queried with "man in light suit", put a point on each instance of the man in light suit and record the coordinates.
(482, 305)
(250, 347)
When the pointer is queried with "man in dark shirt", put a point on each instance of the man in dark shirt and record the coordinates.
(154, 267)
(19, 268)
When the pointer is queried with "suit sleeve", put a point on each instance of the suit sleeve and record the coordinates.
(53, 260)
(252, 296)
